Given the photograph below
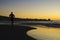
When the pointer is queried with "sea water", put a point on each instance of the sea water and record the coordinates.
(45, 33)
(42, 32)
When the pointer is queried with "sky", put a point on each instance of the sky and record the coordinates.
(40, 9)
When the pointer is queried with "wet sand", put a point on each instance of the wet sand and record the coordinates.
(15, 33)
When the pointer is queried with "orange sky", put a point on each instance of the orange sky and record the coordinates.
(31, 8)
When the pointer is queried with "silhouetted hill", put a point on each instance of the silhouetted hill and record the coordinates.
(4, 18)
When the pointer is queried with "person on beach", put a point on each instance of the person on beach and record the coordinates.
(12, 16)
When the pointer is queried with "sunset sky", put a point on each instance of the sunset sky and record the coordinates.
(31, 8)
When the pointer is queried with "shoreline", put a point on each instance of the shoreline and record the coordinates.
(45, 33)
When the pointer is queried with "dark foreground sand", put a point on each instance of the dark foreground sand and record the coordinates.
(16, 33)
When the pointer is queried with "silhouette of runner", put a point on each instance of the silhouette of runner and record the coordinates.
(12, 16)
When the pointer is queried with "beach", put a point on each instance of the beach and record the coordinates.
(18, 32)
(23, 30)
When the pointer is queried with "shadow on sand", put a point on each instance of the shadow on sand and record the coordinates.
(17, 33)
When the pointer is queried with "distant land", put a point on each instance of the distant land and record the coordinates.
(4, 18)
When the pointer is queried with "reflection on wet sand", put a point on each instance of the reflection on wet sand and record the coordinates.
(45, 33)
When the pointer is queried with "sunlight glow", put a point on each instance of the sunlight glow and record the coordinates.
(31, 8)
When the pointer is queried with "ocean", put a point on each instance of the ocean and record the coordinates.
(42, 32)
(45, 32)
